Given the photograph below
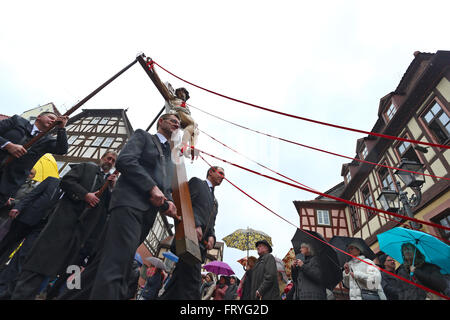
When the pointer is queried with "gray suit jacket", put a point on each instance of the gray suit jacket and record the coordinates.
(142, 167)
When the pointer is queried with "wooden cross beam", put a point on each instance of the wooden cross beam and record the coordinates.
(185, 235)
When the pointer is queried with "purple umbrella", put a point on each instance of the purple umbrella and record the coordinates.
(218, 267)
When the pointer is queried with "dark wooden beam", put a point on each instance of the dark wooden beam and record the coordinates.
(186, 241)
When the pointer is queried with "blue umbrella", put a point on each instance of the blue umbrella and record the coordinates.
(138, 258)
(169, 255)
(434, 250)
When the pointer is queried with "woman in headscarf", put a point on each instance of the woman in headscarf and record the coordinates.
(208, 287)
(231, 293)
(415, 268)
(307, 275)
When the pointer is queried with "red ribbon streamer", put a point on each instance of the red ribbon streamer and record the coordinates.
(259, 164)
(329, 244)
(321, 150)
(330, 196)
(307, 119)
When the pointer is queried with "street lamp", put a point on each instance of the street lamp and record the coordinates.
(389, 198)
(410, 179)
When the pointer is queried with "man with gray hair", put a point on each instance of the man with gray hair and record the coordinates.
(79, 212)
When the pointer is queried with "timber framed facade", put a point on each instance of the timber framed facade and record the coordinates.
(418, 109)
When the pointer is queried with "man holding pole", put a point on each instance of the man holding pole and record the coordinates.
(143, 189)
(81, 211)
(14, 133)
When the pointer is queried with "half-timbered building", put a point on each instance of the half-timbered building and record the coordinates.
(418, 109)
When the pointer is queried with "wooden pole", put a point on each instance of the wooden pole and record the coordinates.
(70, 111)
(186, 242)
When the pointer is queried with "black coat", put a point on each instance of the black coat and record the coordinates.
(427, 275)
(307, 280)
(391, 286)
(18, 130)
(265, 278)
(205, 208)
(36, 204)
(60, 242)
(142, 167)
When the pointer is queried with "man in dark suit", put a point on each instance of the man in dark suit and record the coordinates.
(186, 279)
(28, 213)
(30, 216)
(76, 215)
(143, 189)
(16, 131)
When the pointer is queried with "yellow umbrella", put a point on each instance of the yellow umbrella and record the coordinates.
(46, 167)
(244, 239)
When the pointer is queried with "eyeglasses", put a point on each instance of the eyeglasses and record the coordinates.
(174, 121)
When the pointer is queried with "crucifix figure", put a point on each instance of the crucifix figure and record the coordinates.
(185, 234)
(190, 128)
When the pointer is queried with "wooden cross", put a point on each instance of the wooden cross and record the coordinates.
(186, 241)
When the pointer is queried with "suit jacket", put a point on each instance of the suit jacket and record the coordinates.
(18, 130)
(59, 243)
(142, 167)
(35, 205)
(204, 205)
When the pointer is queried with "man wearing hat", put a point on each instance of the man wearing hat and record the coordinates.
(264, 284)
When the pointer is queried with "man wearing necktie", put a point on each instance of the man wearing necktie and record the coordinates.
(143, 189)
(16, 131)
(186, 278)
(66, 234)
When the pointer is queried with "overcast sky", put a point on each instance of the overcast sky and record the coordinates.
(330, 60)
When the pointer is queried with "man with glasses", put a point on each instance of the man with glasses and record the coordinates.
(390, 284)
(143, 188)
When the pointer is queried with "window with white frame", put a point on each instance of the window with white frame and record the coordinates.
(368, 201)
(72, 139)
(108, 141)
(104, 121)
(348, 176)
(439, 122)
(390, 112)
(98, 141)
(364, 152)
(95, 120)
(323, 217)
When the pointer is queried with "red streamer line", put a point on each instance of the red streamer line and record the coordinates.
(307, 119)
(329, 244)
(259, 164)
(321, 150)
(265, 167)
(329, 196)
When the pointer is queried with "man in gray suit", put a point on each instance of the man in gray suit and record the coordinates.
(143, 189)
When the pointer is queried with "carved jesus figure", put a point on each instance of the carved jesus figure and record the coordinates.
(190, 128)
